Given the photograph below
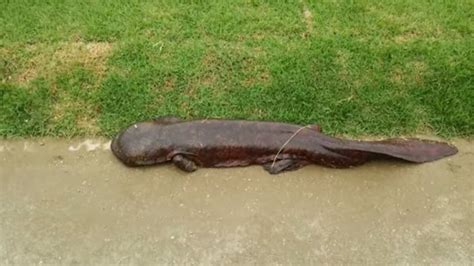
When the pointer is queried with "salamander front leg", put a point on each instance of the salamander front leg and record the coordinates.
(184, 163)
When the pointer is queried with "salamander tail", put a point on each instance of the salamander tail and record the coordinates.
(412, 150)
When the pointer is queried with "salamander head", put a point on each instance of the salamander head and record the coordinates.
(141, 144)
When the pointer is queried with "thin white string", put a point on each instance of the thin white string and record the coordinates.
(286, 143)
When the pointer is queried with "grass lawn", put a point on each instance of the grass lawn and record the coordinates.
(91, 67)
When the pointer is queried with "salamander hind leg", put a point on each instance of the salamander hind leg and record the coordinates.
(184, 163)
(283, 165)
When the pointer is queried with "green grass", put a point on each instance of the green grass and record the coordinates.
(70, 68)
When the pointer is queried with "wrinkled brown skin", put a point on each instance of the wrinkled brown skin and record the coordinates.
(228, 143)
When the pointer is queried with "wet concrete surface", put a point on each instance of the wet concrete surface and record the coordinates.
(72, 202)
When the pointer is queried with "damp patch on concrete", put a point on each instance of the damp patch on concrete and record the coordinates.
(90, 145)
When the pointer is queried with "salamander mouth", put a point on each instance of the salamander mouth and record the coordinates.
(114, 146)
(133, 161)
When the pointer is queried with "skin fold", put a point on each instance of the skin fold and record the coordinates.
(230, 143)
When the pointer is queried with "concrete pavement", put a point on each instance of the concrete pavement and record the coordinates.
(72, 202)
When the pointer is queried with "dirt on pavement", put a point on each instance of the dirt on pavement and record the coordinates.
(71, 201)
